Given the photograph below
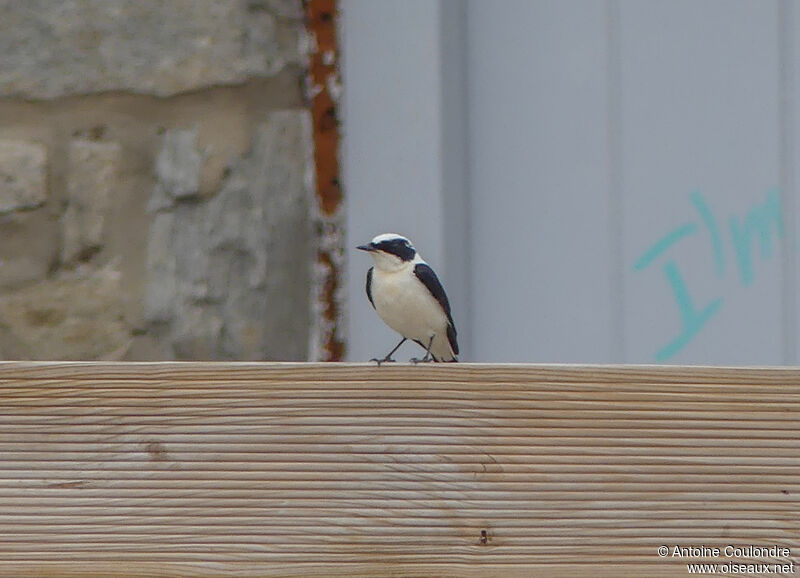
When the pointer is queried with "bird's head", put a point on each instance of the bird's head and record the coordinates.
(390, 251)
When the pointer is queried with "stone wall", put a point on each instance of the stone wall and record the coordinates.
(154, 199)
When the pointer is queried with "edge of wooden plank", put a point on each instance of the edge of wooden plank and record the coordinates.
(326, 371)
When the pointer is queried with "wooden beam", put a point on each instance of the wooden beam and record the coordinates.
(240, 469)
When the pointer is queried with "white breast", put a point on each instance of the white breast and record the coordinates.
(406, 305)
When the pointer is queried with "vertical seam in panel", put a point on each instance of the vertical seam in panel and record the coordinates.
(456, 209)
(786, 147)
(615, 189)
(467, 238)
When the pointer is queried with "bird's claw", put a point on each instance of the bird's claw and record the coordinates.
(384, 360)
(416, 360)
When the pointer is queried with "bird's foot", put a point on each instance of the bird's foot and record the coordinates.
(386, 359)
(416, 360)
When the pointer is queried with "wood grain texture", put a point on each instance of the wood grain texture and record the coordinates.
(242, 469)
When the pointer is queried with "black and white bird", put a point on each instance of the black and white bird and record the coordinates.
(409, 298)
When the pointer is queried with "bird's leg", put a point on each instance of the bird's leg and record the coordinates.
(388, 357)
(428, 356)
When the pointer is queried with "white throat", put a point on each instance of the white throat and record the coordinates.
(388, 263)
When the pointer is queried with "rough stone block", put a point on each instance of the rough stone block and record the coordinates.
(282, 8)
(21, 270)
(92, 177)
(55, 48)
(179, 166)
(77, 316)
(23, 170)
(160, 297)
(29, 249)
(234, 269)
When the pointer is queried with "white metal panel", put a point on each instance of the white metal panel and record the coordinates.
(700, 158)
(392, 145)
(456, 194)
(790, 85)
(539, 180)
(594, 132)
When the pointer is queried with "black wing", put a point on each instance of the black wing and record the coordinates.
(369, 286)
(425, 274)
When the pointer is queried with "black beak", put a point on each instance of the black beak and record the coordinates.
(368, 248)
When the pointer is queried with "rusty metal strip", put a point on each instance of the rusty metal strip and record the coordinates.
(323, 88)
